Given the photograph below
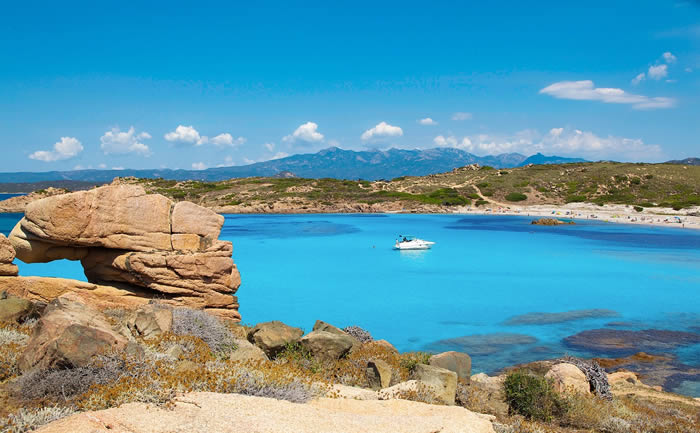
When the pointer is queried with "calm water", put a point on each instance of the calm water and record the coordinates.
(483, 271)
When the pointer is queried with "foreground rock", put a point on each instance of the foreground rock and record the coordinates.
(68, 335)
(7, 255)
(459, 362)
(327, 346)
(379, 374)
(14, 309)
(442, 381)
(143, 243)
(273, 337)
(567, 377)
(210, 412)
(151, 321)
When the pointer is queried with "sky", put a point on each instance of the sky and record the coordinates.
(203, 84)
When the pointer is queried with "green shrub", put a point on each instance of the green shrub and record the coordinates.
(638, 208)
(410, 361)
(575, 198)
(532, 396)
(486, 167)
(482, 184)
(516, 196)
(635, 181)
(480, 203)
(648, 176)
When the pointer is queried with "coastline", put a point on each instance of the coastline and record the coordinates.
(620, 214)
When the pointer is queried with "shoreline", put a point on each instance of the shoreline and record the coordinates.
(618, 214)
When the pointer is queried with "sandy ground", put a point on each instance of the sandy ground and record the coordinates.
(665, 217)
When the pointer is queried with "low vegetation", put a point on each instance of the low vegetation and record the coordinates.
(639, 185)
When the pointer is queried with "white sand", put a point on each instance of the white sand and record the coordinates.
(609, 213)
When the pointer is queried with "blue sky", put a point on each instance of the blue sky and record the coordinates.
(202, 84)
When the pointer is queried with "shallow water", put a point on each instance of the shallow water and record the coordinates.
(483, 271)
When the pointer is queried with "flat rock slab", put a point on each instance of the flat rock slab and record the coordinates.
(211, 412)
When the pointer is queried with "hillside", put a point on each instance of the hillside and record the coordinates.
(687, 161)
(645, 185)
(332, 162)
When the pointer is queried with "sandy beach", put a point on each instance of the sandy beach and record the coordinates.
(624, 214)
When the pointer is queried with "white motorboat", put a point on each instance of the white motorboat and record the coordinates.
(412, 243)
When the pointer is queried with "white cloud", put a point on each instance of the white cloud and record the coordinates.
(668, 57)
(638, 79)
(382, 129)
(67, 148)
(186, 134)
(102, 166)
(199, 166)
(119, 142)
(586, 91)
(308, 132)
(658, 72)
(559, 141)
(227, 139)
(269, 146)
(427, 121)
(461, 116)
(452, 141)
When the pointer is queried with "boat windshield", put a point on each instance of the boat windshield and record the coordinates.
(406, 238)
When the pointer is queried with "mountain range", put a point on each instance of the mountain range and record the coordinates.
(332, 162)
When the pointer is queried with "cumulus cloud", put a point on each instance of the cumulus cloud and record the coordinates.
(121, 142)
(186, 134)
(658, 72)
(668, 57)
(452, 141)
(560, 141)
(308, 133)
(227, 139)
(586, 91)
(382, 130)
(269, 146)
(199, 166)
(460, 115)
(427, 121)
(67, 148)
(638, 79)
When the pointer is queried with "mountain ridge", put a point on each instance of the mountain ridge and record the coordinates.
(332, 162)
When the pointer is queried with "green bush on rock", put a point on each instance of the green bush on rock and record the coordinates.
(516, 196)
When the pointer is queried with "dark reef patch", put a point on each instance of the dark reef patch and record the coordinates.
(617, 342)
(483, 344)
(539, 318)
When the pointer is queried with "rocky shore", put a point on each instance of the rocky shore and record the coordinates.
(153, 343)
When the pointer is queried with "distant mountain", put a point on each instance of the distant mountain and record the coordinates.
(687, 161)
(332, 162)
(539, 159)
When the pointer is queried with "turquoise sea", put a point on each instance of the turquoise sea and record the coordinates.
(483, 272)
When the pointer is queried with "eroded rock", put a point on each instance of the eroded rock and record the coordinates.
(378, 374)
(273, 337)
(442, 381)
(7, 255)
(567, 377)
(459, 362)
(326, 345)
(136, 242)
(68, 335)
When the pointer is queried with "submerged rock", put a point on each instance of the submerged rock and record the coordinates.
(550, 222)
(484, 344)
(624, 342)
(566, 316)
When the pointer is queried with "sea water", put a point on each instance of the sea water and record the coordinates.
(482, 272)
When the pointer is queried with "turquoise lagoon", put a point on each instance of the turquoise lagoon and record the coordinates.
(483, 271)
